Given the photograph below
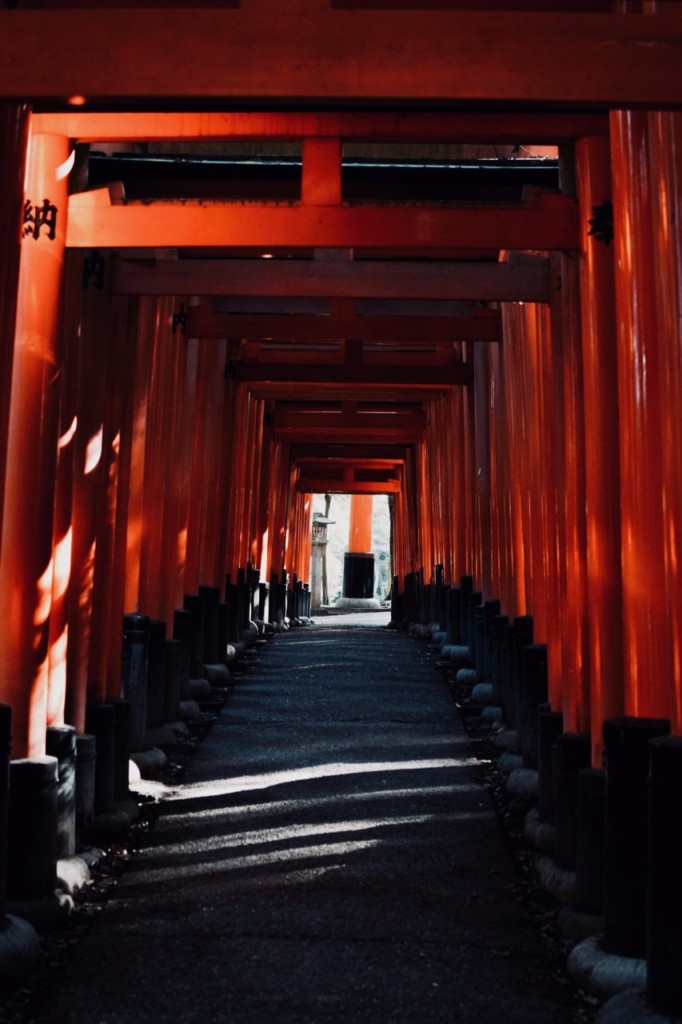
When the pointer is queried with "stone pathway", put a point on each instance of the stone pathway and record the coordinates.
(332, 857)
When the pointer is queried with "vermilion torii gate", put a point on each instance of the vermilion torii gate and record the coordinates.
(180, 373)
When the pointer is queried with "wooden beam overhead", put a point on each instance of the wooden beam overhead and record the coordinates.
(400, 279)
(339, 433)
(319, 392)
(538, 128)
(439, 376)
(322, 485)
(346, 464)
(347, 415)
(355, 452)
(354, 354)
(547, 221)
(236, 56)
(320, 328)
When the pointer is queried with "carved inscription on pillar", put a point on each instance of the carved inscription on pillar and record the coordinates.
(601, 222)
(40, 218)
(180, 319)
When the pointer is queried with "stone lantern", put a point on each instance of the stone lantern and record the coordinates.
(319, 548)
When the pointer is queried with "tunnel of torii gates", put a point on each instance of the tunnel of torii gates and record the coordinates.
(182, 369)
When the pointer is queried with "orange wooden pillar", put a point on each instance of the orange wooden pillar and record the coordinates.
(14, 128)
(303, 536)
(412, 559)
(158, 326)
(63, 529)
(106, 634)
(515, 465)
(360, 525)
(237, 470)
(646, 633)
(395, 504)
(665, 146)
(257, 459)
(502, 482)
(26, 541)
(292, 512)
(226, 432)
(568, 595)
(429, 492)
(277, 520)
(447, 484)
(602, 488)
(461, 483)
(549, 427)
(91, 329)
(213, 483)
(179, 445)
(444, 483)
(482, 449)
(136, 470)
(473, 564)
(254, 443)
(260, 540)
(496, 474)
(122, 447)
(398, 555)
(534, 522)
(358, 561)
(165, 496)
(424, 506)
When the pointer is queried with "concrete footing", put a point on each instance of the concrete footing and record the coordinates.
(357, 603)
(540, 834)
(509, 762)
(603, 974)
(523, 782)
(149, 762)
(482, 693)
(631, 1007)
(19, 948)
(554, 880)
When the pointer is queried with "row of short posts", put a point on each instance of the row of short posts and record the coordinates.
(80, 789)
(290, 599)
(420, 602)
(617, 829)
(39, 827)
(52, 806)
(407, 605)
(299, 600)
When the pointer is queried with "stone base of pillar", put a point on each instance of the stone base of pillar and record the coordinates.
(358, 575)
(32, 836)
(358, 603)
(603, 974)
(19, 948)
(630, 1007)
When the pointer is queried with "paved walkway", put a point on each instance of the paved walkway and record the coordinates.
(332, 857)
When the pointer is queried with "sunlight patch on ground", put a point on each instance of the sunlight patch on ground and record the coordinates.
(266, 780)
(296, 806)
(293, 832)
(263, 861)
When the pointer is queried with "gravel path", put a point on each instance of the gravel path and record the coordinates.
(331, 857)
